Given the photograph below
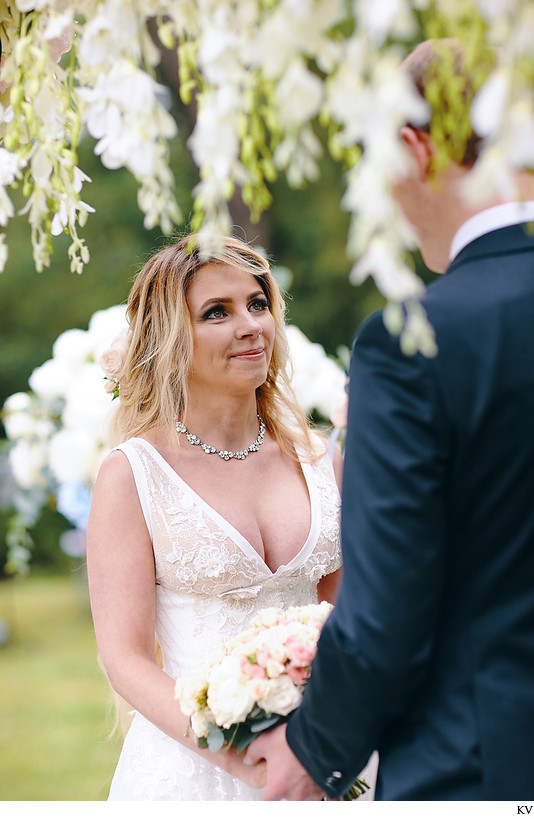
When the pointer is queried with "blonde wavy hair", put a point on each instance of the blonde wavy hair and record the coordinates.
(153, 378)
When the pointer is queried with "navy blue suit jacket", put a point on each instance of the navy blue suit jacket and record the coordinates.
(429, 654)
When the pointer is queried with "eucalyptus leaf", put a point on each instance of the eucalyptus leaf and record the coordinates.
(262, 725)
(244, 743)
(215, 738)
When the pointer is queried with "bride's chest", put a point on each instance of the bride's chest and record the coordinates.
(268, 512)
(271, 512)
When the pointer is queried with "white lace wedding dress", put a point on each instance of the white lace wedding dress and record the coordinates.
(210, 582)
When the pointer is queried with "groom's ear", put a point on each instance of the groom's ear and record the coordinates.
(421, 148)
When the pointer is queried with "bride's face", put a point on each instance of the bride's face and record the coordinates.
(233, 330)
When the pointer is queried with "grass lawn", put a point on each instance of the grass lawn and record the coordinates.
(55, 704)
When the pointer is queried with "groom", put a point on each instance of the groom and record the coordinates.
(428, 656)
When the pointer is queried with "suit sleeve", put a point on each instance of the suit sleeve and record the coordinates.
(374, 649)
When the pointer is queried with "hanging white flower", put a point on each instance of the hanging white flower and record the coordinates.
(112, 33)
(299, 95)
(494, 10)
(214, 142)
(391, 276)
(490, 102)
(383, 18)
(9, 166)
(125, 116)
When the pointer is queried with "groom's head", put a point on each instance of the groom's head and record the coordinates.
(447, 75)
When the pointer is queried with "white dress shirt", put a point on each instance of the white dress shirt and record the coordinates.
(511, 213)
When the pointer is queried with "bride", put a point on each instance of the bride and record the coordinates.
(219, 502)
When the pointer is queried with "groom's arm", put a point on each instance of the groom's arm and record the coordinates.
(374, 648)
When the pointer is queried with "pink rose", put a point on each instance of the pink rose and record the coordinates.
(297, 675)
(300, 654)
(252, 670)
(112, 359)
(262, 657)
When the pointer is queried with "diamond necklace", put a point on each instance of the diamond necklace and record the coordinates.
(223, 453)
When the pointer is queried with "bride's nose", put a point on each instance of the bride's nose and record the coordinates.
(249, 326)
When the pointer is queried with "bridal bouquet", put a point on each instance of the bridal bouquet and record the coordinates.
(255, 680)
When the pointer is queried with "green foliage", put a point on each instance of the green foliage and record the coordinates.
(36, 308)
(308, 231)
(259, 137)
(44, 540)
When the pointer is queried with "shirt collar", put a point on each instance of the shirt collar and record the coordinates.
(511, 213)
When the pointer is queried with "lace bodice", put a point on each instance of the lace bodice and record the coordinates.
(210, 582)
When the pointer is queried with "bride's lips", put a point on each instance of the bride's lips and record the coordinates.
(250, 355)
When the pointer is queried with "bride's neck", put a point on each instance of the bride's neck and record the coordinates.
(230, 424)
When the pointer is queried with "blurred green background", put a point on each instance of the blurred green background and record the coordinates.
(55, 706)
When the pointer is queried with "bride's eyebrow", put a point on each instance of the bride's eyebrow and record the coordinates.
(208, 302)
(228, 300)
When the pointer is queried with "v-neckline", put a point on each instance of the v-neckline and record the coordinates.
(239, 539)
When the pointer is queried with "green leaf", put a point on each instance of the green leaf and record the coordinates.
(215, 738)
(244, 743)
(262, 725)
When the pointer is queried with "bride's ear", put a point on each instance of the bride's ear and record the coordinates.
(421, 147)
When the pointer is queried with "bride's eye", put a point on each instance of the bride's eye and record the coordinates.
(258, 305)
(215, 312)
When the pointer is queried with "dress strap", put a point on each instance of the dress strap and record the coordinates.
(140, 478)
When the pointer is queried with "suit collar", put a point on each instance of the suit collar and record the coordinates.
(490, 219)
(514, 238)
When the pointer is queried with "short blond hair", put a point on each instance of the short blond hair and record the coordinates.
(431, 66)
(154, 376)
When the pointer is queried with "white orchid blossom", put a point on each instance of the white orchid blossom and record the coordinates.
(265, 75)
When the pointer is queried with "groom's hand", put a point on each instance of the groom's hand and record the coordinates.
(286, 777)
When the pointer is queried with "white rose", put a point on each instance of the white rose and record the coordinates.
(190, 689)
(71, 454)
(73, 347)
(266, 618)
(19, 425)
(18, 402)
(274, 668)
(87, 405)
(273, 640)
(51, 379)
(104, 326)
(27, 425)
(230, 698)
(200, 721)
(282, 697)
(27, 460)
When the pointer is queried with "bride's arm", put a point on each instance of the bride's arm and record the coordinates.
(120, 565)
